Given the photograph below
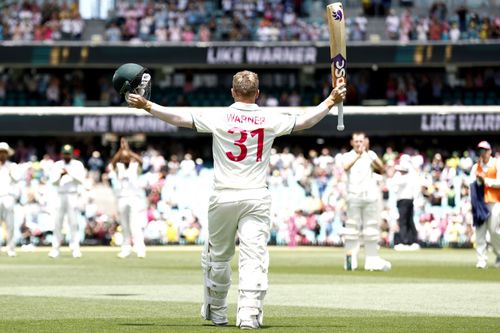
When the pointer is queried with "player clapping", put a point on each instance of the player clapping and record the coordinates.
(9, 176)
(67, 175)
(124, 177)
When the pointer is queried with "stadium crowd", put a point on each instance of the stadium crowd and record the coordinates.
(441, 26)
(30, 21)
(308, 189)
(184, 88)
(280, 20)
(228, 20)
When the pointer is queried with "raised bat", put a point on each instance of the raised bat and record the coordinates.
(338, 55)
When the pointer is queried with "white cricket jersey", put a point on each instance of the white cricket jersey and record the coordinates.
(361, 181)
(126, 181)
(406, 185)
(243, 135)
(69, 182)
(9, 176)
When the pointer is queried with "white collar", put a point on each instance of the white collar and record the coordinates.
(245, 106)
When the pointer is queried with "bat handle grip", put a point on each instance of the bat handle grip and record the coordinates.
(340, 118)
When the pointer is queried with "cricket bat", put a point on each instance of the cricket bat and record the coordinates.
(338, 55)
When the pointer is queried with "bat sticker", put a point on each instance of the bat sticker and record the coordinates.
(340, 66)
(337, 16)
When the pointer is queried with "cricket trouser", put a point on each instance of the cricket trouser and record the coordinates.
(250, 220)
(362, 221)
(407, 230)
(132, 220)
(7, 203)
(67, 207)
(493, 226)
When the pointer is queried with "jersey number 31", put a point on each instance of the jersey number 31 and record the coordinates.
(240, 143)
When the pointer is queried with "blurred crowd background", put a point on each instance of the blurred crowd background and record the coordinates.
(307, 178)
(250, 20)
(64, 87)
(179, 22)
(308, 189)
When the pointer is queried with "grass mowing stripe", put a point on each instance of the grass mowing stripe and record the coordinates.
(80, 315)
(432, 298)
(141, 295)
(296, 324)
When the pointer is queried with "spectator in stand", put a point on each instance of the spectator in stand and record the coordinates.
(435, 29)
(392, 25)
(356, 33)
(204, 34)
(361, 21)
(95, 165)
(53, 92)
(454, 32)
(77, 26)
(113, 33)
(188, 35)
(272, 101)
(405, 27)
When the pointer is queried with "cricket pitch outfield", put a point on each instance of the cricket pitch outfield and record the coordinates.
(426, 291)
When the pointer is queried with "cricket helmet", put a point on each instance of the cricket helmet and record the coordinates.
(132, 78)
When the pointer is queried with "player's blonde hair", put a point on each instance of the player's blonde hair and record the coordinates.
(245, 84)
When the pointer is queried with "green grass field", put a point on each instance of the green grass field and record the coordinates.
(426, 291)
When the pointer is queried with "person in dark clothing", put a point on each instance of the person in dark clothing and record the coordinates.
(405, 184)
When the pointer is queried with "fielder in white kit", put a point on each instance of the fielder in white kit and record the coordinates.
(363, 206)
(131, 199)
(67, 175)
(9, 176)
(240, 205)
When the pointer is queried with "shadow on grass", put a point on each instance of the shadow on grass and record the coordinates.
(227, 326)
(311, 327)
(167, 325)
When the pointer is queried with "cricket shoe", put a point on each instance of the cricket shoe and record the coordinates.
(401, 247)
(123, 254)
(217, 314)
(377, 264)
(54, 253)
(28, 247)
(76, 253)
(415, 247)
(482, 264)
(249, 318)
(141, 254)
(497, 263)
(354, 263)
(11, 253)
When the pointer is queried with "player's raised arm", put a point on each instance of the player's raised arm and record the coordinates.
(133, 81)
(169, 115)
(311, 118)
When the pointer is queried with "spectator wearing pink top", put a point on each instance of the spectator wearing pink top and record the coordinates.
(204, 34)
(187, 34)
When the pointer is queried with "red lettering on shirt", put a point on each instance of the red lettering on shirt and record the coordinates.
(255, 120)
